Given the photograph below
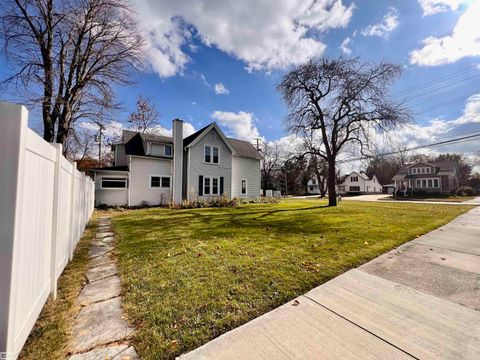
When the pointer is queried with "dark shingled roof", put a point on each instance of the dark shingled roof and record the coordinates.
(112, 168)
(447, 165)
(244, 149)
(135, 143)
(189, 139)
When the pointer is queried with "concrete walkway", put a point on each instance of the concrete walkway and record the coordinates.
(419, 301)
(100, 331)
(384, 198)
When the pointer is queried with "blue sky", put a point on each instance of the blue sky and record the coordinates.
(247, 46)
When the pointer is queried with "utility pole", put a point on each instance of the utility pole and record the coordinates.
(258, 143)
(98, 138)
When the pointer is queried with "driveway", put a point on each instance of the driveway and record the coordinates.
(419, 301)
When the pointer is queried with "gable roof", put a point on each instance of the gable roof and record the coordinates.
(362, 174)
(136, 142)
(195, 137)
(440, 166)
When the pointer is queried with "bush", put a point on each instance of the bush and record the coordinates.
(464, 191)
(221, 202)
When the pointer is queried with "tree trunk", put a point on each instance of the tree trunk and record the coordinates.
(332, 192)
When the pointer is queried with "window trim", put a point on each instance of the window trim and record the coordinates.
(246, 187)
(210, 192)
(211, 147)
(420, 181)
(114, 179)
(159, 187)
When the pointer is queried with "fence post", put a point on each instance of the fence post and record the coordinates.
(13, 122)
(55, 222)
(72, 213)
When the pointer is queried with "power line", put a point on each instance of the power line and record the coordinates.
(444, 142)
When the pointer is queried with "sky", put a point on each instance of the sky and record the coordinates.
(220, 60)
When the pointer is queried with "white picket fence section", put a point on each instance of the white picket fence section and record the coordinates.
(45, 205)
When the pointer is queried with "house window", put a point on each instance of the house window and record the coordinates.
(165, 182)
(430, 183)
(113, 183)
(168, 150)
(354, 188)
(419, 183)
(424, 183)
(159, 181)
(414, 171)
(311, 188)
(435, 183)
(206, 186)
(244, 187)
(212, 154)
(215, 186)
(428, 170)
(208, 154)
(353, 178)
(423, 170)
(313, 181)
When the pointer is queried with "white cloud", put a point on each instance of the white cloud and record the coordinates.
(385, 27)
(463, 42)
(266, 35)
(431, 7)
(220, 89)
(344, 46)
(239, 125)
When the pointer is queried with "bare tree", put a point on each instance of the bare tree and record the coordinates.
(340, 103)
(145, 116)
(67, 55)
(270, 163)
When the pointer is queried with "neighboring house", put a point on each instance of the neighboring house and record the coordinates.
(313, 186)
(435, 177)
(154, 170)
(359, 183)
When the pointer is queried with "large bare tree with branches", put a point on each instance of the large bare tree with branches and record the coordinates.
(67, 55)
(339, 103)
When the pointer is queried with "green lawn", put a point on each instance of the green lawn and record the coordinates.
(191, 275)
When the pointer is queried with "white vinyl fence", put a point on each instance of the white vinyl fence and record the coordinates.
(45, 204)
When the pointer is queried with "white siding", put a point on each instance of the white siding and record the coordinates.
(140, 171)
(366, 186)
(197, 166)
(111, 197)
(248, 169)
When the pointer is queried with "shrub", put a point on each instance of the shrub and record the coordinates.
(464, 191)
(221, 202)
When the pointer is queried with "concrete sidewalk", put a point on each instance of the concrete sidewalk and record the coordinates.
(419, 301)
(384, 198)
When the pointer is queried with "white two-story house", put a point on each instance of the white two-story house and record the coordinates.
(155, 170)
(358, 182)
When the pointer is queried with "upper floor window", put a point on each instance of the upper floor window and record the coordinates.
(168, 150)
(313, 181)
(353, 178)
(211, 154)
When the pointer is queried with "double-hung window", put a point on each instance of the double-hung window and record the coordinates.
(168, 150)
(206, 186)
(211, 154)
(244, 187)
(114, 183)
(211, 186)
(160, 181)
